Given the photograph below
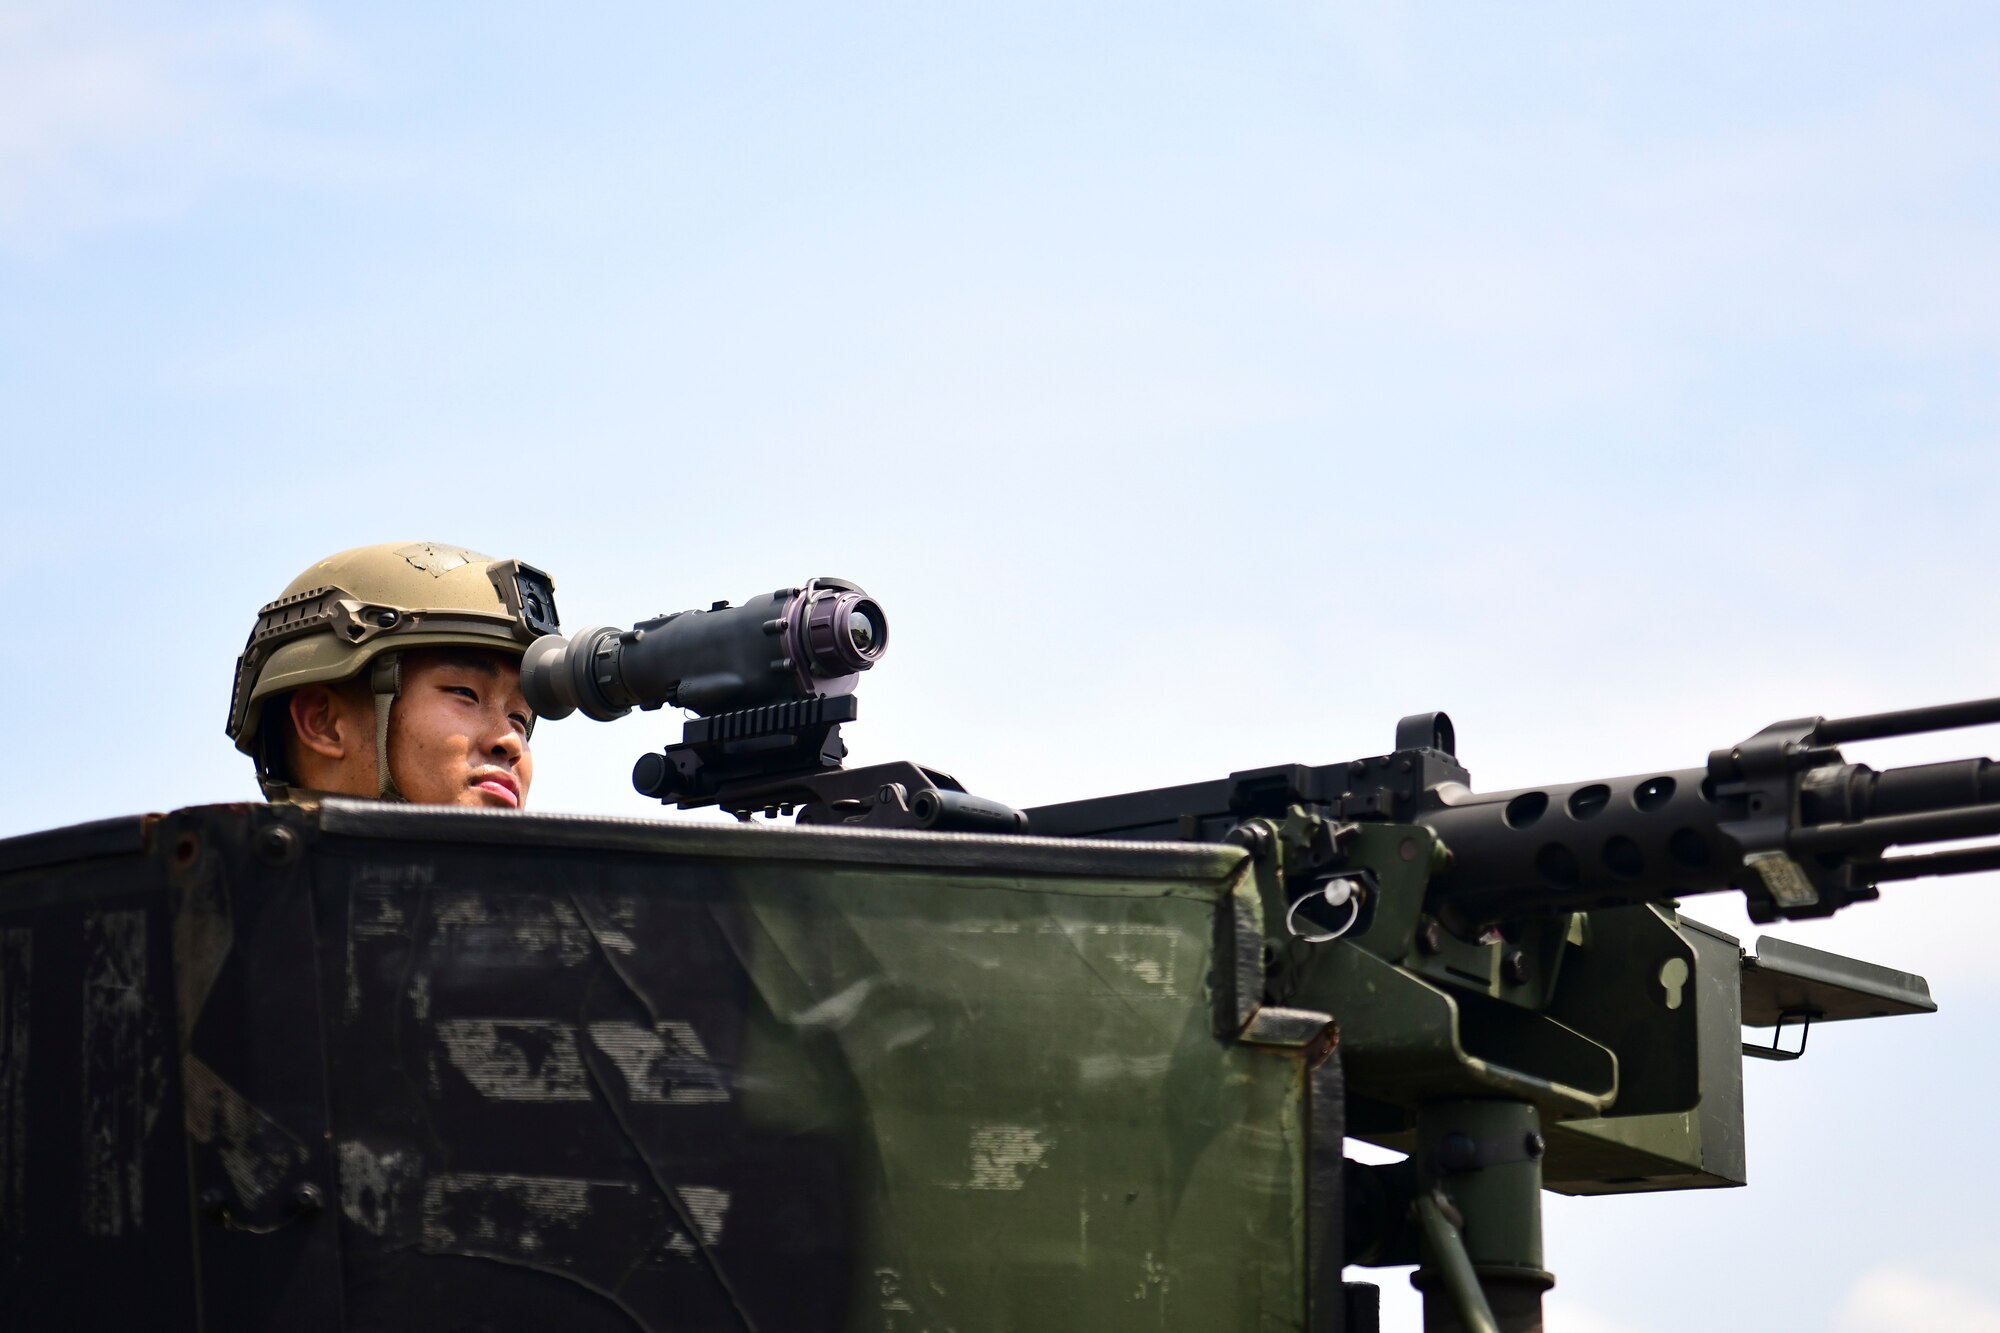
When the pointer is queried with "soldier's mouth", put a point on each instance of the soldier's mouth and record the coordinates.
(501, 786)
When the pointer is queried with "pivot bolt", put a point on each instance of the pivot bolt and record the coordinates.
(276, 845)
(1516, 968)
(1251, 835)
(1430, 939)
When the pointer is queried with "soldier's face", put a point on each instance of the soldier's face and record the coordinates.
(458, 734)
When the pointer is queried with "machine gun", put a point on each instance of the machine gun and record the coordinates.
(1782, 817)
(1519, 1003)
(771, 683)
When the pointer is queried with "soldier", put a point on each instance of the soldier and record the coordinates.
(393, 672)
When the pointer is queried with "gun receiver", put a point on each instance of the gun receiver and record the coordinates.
(1782, 817)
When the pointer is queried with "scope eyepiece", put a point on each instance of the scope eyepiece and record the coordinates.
(796, 643)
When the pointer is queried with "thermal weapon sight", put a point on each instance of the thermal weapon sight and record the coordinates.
(809, 642)
(770, 683)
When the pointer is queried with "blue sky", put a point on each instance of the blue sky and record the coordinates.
(1198, 387)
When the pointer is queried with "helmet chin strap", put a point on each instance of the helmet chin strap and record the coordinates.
(385, 679)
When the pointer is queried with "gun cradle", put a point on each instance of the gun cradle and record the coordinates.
(1528, 944)
(1623, 1026)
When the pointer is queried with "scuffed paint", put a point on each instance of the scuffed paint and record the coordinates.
(564, 934)
(1002, 1156)
(509, 1214)
(1107, 1067)
(258, 1154)
(123, 1071)
(666, 1066)
(837, 1010)
(461, 909)
(17, 956)
(375, 1186)
(1148, 954)
(396, 876)
(981, 926)
(889, 1292)
(518, 928)
(613, 938)
(545, 1218)
(538, 1060)
(419, 994)
(1154, 1281)
(376, 913)
(436, 560)
(516, 1060)
(204, 930)
(707, 1207)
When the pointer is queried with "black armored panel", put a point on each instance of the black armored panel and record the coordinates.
(375, 1067)
(258, 1076)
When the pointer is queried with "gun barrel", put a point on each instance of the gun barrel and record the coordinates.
(1612, 841)
(1897, 830)
(1908, 721)
(1854, 791)
(1958, 861)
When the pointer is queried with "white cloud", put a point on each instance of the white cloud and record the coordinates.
(1898, 1299)
(109, 117)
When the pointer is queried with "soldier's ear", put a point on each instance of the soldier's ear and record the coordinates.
(321, 723)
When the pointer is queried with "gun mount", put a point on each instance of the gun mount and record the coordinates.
(1521, 1003)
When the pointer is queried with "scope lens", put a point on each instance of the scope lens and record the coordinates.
(844, 631)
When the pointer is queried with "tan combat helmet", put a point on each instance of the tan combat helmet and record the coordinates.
(358, 611)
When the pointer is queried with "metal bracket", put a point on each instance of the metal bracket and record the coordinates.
(1775, 1051)
(303, 1201)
